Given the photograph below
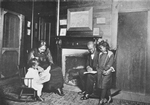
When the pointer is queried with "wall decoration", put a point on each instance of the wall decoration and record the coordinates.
(101, 20)
(28, 24)
(80, 19)
(96, 31)
(63, 31)
(28, 32)
(63, 22)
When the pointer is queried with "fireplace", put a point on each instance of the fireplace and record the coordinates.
(72, 59)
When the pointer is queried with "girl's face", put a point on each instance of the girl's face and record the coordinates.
(36, 65)
(102, 48)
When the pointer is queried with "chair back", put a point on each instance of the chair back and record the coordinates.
(25, 82)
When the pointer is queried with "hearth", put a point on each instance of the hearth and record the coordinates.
(72, 61)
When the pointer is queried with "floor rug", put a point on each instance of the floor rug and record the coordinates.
(71, 97)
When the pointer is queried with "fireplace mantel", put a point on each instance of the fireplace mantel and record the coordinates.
(74, 42)
(73, 45)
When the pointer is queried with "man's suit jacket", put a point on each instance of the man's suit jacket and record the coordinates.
(92, 62)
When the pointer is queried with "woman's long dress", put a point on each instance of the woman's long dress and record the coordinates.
(56, 80)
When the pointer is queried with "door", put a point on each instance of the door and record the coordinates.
(131, 57)
(10, 42)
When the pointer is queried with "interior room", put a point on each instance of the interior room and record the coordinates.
(67, 26)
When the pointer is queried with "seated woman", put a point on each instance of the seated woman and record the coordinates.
(43, 54)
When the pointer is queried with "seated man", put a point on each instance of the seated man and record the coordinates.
(87, 79)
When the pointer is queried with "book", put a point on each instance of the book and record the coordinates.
(92, 72)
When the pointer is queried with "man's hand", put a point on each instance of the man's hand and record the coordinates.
(89, 69)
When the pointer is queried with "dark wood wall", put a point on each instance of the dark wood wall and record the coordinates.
(101, 9)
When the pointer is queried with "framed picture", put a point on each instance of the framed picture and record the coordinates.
(79, 19)
(62, 31)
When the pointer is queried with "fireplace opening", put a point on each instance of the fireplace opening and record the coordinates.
(73, 65)
(73, 60)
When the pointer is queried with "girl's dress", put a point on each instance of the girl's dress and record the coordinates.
(35, 83)
(105, 62)
(46, 60)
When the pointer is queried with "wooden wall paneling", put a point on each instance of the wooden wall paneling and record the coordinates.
(23, 53)
(147, 73)
(114, 24)
(1, 35)
(128, 5)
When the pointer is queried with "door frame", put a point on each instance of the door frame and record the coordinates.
(3, 49)
(115, 15)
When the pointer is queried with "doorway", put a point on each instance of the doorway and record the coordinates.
(132, 50)
(12, 24)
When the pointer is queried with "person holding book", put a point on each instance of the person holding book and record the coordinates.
(88, 76)
(43, 54)
(38, 75)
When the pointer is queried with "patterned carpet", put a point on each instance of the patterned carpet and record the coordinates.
(71, 97)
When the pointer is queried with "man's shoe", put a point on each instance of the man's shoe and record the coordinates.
(40, 98)
(60, 92)
(85, 97)
(110, 100)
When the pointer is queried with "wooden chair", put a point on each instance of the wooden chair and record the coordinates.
(25, 90)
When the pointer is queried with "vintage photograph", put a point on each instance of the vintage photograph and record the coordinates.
(74, 52)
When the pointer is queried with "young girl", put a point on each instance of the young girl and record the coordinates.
(105, 69)
(39, 76)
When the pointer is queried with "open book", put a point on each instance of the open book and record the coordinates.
(92, 72)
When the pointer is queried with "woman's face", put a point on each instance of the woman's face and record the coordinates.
(102, 48)
(42, 49)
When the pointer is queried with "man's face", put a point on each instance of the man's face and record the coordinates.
(91, 48)
(42, 49)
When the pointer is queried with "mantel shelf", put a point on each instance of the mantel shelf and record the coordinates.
(78, 37)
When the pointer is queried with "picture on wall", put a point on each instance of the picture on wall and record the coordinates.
(79, 19)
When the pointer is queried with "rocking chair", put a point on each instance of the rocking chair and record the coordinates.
(25, 90)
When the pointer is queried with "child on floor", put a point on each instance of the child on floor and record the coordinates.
(39, 76)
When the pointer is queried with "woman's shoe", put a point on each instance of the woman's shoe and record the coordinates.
(85, 97)
(101, 102)
(60, 92)
(110, 100)
(81, 93)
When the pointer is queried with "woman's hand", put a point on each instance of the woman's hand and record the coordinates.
(40, 69)
(106, 72)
